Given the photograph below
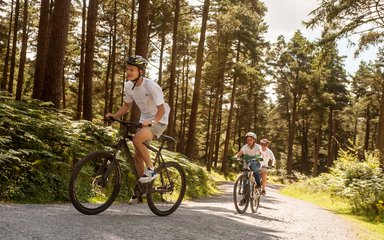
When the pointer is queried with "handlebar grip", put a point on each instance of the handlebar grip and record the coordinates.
(109, 119)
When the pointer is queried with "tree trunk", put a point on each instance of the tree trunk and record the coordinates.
(304, 147)
(380, 133)
(291, 135)
(190, 147)
(219, 126)
(107, 74)
(42, 49)
(208, 126)
(142, 28)
(132, 27)
(330, 139)
(14, 47)
(213, 131)
(6, 58)
(63, 90)
(160, 78)
(222, 59)
(224, 168)
(52, 88)
(89, 54)
(176, 110)
(172, 79)
(367, 128)
(238, 130)
(141, 44)
(81, 70)
(113, 60)
(23, 53)
(317, 151)
(183, 118)
(130, 46)
(355, 130)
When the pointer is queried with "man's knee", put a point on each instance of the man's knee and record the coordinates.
(142, 136)
(136, 141)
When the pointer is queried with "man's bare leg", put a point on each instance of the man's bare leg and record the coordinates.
(139, 139)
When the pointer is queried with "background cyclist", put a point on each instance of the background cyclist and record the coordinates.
(250, 152)
(268, 160)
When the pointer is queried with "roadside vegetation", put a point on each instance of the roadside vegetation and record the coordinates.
(39, 146)
(353, 187)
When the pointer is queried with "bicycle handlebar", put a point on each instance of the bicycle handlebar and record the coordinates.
(126, 124)
(257, 159)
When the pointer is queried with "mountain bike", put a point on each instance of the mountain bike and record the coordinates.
(96, 179)
(245, 191)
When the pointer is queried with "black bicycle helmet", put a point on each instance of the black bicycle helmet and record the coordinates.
(137, 61)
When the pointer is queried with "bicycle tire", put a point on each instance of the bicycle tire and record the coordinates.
(255, 198)
(95, 182)
(241, 194)
(166, 193)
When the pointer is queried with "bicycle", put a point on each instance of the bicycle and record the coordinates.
(96, 179)
(245, 191)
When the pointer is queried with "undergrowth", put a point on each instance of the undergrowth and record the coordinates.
(39, 146)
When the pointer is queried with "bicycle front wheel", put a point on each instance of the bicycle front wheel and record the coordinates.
(95, 182)
(255, 198)
(167, 191)
(241, 194)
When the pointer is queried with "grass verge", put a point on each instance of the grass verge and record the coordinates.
(365, 230)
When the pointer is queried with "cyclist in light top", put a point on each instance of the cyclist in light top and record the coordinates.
(250, 152)
(267, 156)
(154, 111)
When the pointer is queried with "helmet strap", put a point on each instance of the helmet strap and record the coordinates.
(135, 81)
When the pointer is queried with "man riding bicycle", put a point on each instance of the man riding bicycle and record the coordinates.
(250, 152)
(154, 114)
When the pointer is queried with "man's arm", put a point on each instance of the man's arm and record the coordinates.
(160, 113)
(122, 110)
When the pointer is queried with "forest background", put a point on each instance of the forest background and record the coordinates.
(216, 69)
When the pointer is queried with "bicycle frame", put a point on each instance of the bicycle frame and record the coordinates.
(100, 177)
(122, 145)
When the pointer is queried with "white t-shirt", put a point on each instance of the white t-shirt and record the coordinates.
(250, 153)
(266, 155)
(147, 97)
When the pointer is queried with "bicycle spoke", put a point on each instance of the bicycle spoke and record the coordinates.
(241, 194)
(255, 198)
(167, 190)
(95, 183)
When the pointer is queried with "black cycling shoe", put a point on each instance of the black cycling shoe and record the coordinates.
(242, 202)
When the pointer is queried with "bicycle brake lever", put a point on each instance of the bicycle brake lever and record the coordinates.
(109, 120)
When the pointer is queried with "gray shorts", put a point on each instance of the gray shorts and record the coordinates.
(158, 129)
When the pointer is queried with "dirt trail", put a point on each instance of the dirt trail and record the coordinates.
(279, 217)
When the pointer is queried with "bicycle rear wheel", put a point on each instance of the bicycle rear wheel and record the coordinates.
(167, 191)
(95, 182)
(241, 194)
(255, 198)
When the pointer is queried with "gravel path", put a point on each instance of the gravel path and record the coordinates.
(279, 217)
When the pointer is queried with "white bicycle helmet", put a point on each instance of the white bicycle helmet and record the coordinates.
(250, 134)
